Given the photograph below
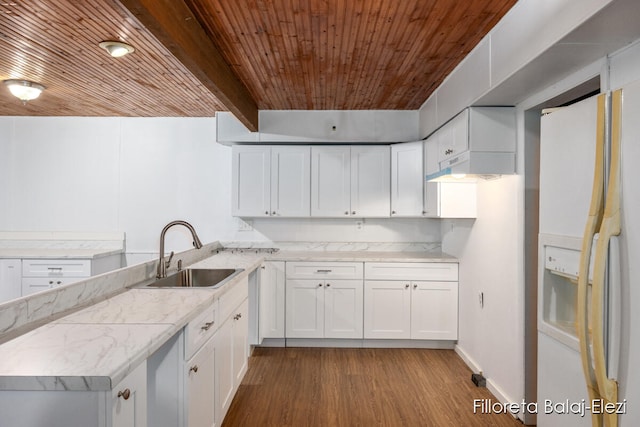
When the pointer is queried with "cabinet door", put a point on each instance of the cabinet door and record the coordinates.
(343, 305)
(272, 308)
(370, 181)
(129, 399)
(387, 309)
(330, 181)
(224, 375)
(406, 179)
(305, 308)
(250, 181)
(434, 310)
(240, 337)
(454, 137)
(10, 279)
(200, 387)
(290, 181)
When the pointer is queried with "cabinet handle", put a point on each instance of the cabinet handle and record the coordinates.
(207, 326)
(237, 316)
(55, 268)
(193, 369)
(406, 286)
(323, 271)
(125, 394)
(415, 286)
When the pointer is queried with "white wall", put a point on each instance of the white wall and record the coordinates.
(490, 252)
(137, 174)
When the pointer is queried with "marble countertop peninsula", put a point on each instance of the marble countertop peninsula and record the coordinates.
(96, 347)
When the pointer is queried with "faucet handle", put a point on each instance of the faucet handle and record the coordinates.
(168, 262)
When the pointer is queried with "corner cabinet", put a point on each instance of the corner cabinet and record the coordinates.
(270, 181)
(271, 300)
(411, 301)
(406, 180)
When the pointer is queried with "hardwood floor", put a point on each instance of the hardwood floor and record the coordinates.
(359, 387)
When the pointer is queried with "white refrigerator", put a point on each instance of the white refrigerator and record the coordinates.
(589, 329)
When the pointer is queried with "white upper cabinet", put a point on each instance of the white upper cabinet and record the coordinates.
(251, 181)
(370, 181)
(350, 181)
(406, 179)
(453, 138)
(270, 181)
(330, 183)
(290, 180)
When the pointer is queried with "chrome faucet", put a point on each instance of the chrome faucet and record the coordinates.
(162, 266)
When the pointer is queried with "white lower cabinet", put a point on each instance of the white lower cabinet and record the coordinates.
(424, 306)
(200, 387)
(125, 405)
(324, 300)
(129, 399)
(272, 300)
(10, 279)
(231, 348)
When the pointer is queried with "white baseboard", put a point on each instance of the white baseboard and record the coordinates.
(475, 368)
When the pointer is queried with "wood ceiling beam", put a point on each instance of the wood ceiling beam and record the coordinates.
(175, 26)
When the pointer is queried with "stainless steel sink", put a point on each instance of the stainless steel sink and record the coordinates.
(196, 278)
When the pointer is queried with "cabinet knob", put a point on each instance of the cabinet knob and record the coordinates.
(273, 213)
(346, 212)
(266, 212)
(51, 282)
(393, 212)
(207, 326)
(328, 284)
(406, 286)
(424, 212)
(319, 285)
(237, 316)
(263, 267)
(125, 394)
(58, 282)
(415, 286)
(194, 369)
(353, 213)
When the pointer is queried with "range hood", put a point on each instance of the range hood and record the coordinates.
(478, 143)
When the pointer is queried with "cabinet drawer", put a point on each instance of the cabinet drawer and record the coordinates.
(231, 299)
(56, 268)
(324, 270)
(439, 271)
(200, 329)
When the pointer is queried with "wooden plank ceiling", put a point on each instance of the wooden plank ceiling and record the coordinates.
(289, 54)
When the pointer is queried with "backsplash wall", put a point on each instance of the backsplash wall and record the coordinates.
(137, 174)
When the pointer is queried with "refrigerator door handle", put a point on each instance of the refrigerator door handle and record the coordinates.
(594, 220)
(610, 227)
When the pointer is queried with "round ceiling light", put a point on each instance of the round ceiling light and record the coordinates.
(116, 49)
(24, 89)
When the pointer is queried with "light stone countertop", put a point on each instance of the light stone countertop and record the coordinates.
(96, 347)
(59, 253)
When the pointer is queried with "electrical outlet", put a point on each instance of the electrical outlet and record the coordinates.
(245, 225)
